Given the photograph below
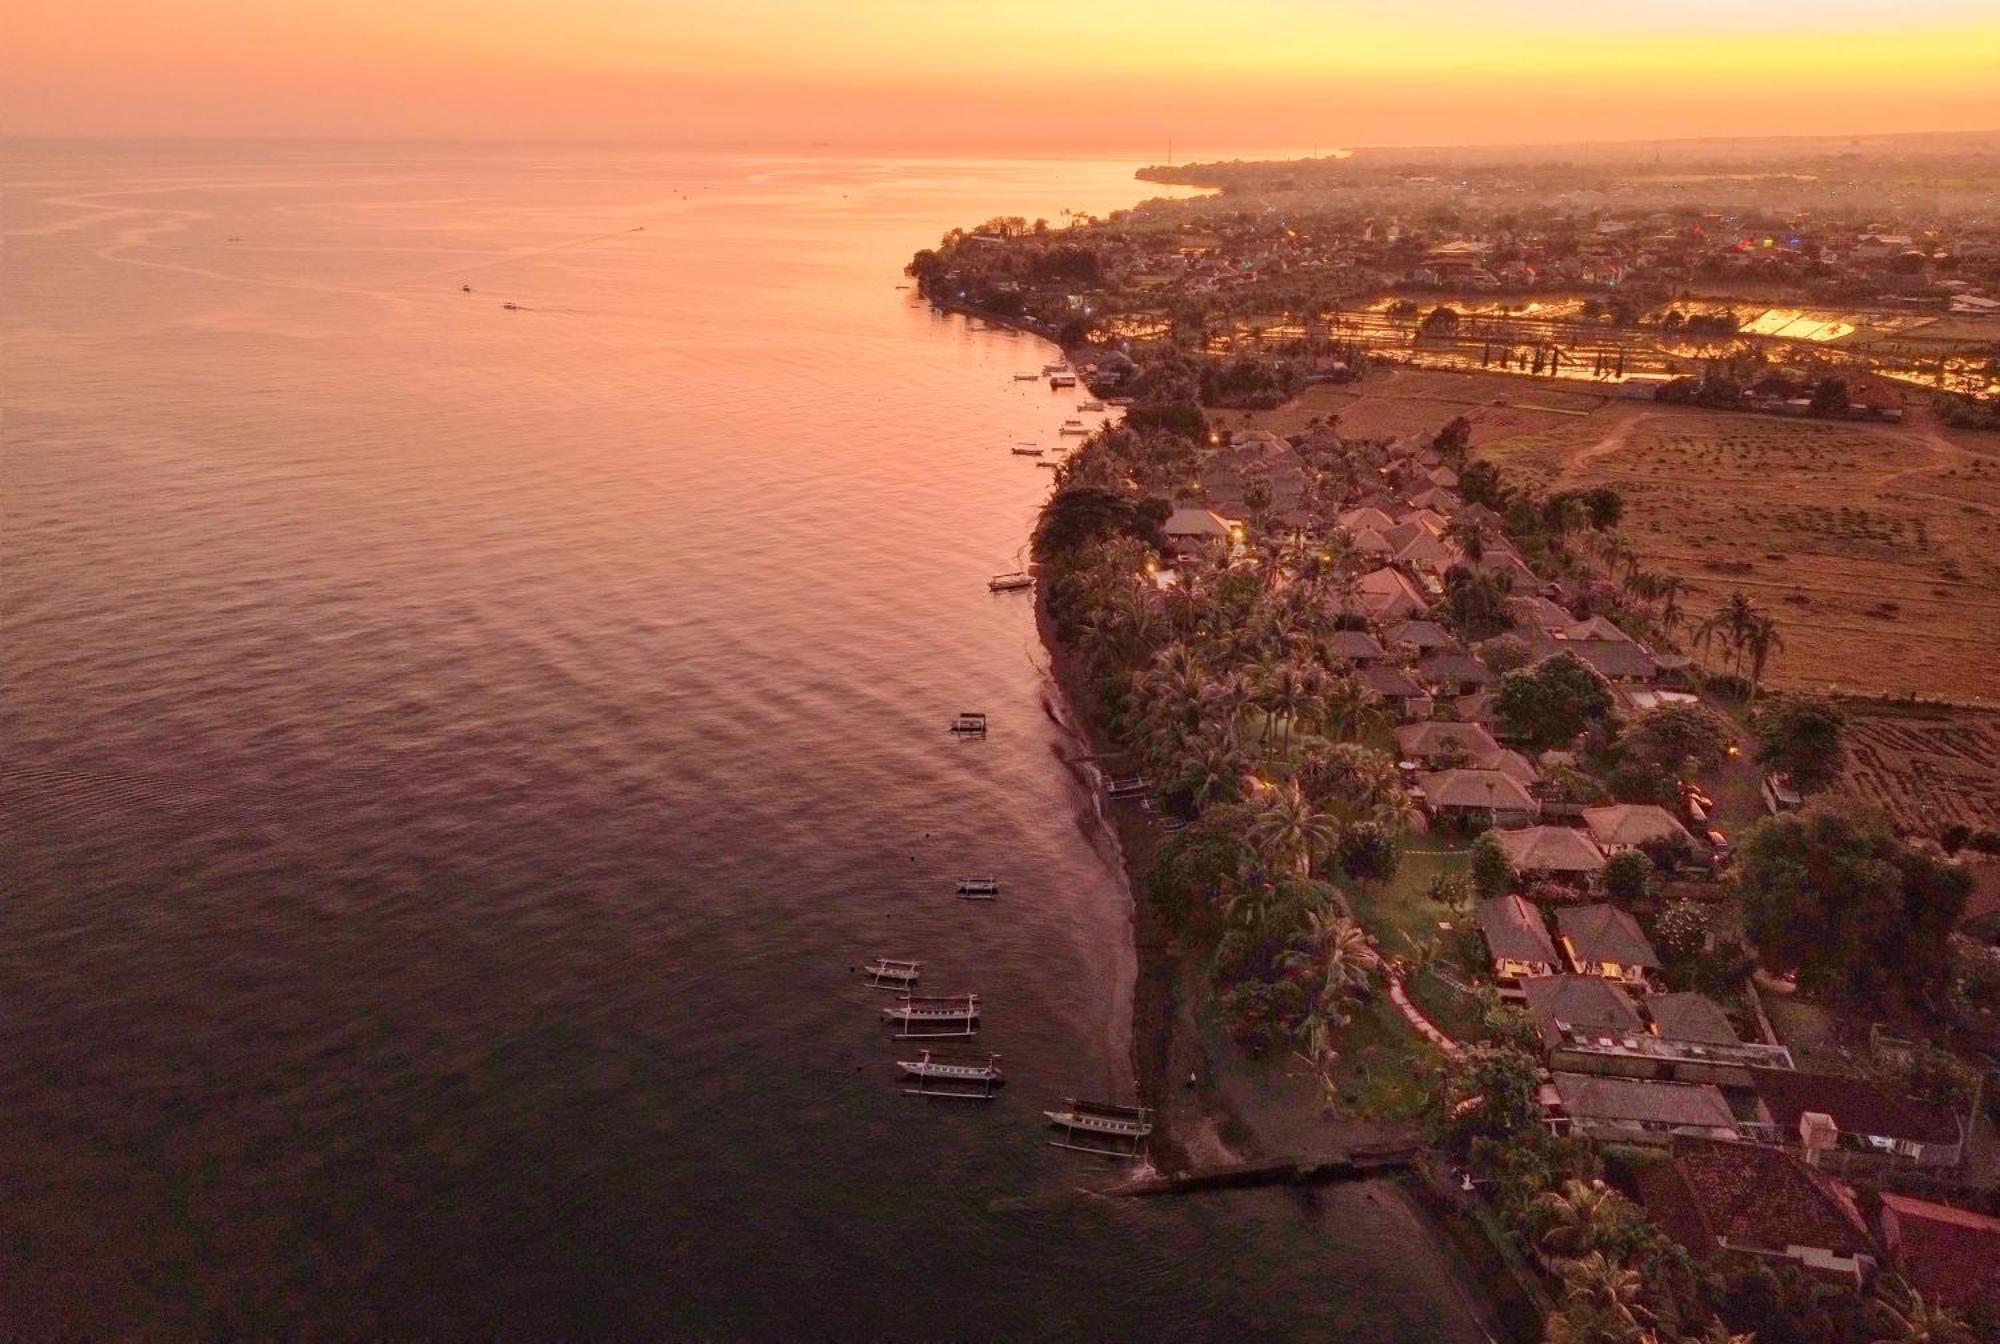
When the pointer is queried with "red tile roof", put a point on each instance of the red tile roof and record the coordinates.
(1949, 1255)
(1750, 1196)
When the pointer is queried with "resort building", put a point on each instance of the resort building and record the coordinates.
(1478, 797)
(1855, 1118)
(1949, 1255)
(1552, 851)
(1744, 1199)
(1603, 940)
(1569, 1007)
(1625, 1110)
(1518, 941)
(1690, 1017)
(1435, 743)
(1624, 826)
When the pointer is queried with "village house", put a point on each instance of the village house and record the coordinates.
(1564, 1006)
(1690, 1017)
(1622, 826)
(1552, 851)
(1518, 942)
(1453, 674)
(1423, 636)
(1950, 1255)
(1603, 940)
(1865, 1117)
(1746, 1199)
(1436, 744)
(1478, 798)
(1403, 695)
(1389, 595)
(1193, 532)
(1355, 646)
(1627, 1110)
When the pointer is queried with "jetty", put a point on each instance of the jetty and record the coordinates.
(1361, 1163)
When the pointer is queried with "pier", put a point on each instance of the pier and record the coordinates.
(1359, 1164)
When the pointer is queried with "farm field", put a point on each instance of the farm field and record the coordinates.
(1392, 403)
(1877, 547)
(1925, 772)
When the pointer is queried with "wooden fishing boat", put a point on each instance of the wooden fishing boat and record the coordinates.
(934, 1017)
(960, 1078)
(969, 724)
(1062, 380)
(889, 973)
(1073, 429)
(1090, 406)
(978, 888)
(1101, 1128)
(1027, 377)
(1025, 452)
(1009, 583)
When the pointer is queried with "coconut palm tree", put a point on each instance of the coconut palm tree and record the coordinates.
(1605, 1293)
(1212, 764)
(1581, 1217)
(1911, 1320)
(1348, 956)
(1289, 832)
(1760, 640)
(1348, 708)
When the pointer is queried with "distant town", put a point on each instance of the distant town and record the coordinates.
(1538, 618)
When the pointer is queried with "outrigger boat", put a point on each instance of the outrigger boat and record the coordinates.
(1025, 452)
(1072, 429)
(934, 1017)
(1090, 406)
(1027, 377)
(1051, 466)
(1062, 380)
(888, 973)
(1061, 366)
(959, 1079)
(1101, 1128)
(1009, 583)
(978, 888)
(969, 724)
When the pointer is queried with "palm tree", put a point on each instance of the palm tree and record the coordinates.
(1581, 1217)
(1347, 708)
(1670, 587)
(1213, 764)
(1284, 694)
(1603, 1291)
(1916, 1321)
(1348, 956)
(1288, 831)
(1760, 639)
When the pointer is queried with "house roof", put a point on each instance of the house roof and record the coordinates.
(1592, 1097)
(1390, 682)
(1195, 523)
(1551, 849)
(1949, 1255)
(1612, 658)
(1354, 644)
(1597, 627)
(1366, 519)
(1751, 1196)
(1632, 824)
(1690, 1017)
(1605, 933)
(1594, 1007)
(1858, 1106)
(1534, 609)
(1440, 739)
(1457, 667)
(1509, 763)
(1390, 593)
(1514, 930)
(1477, 788)
(1421, 634)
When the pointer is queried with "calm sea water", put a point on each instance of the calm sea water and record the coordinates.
(455, 755)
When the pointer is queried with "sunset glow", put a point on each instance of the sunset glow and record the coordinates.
(1032, 75)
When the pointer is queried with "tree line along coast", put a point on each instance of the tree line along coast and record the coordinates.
(1459, 825)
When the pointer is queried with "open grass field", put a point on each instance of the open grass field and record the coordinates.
(1925, 772)
(1394, 403)
(1877, 547)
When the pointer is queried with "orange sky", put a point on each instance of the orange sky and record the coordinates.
(1000, 74)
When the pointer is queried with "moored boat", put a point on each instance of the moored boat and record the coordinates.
(889, 973)
(978, 888)
(969, 724)
(1025, 452)
(1009, 583)
(1090, 406)
(934, 1016)
(1102, 1128)
(1062, 380)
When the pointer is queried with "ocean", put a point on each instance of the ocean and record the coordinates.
(455, 754)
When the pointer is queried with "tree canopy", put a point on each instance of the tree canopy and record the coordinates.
(1548, 704)
(1801, 738)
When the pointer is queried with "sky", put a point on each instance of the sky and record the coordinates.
(999, 75)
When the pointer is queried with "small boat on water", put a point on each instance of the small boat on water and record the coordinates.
(511, 307)
(978, 888)
(1101, 1128)
(934, 1016)
(1025, 452)
(1062, 380)
(1090, 406)
(1027, 377)
(889, 973)
(1073, 429)
(1061, 366)
(1052, 466)
(959, 1078)
(969, 724)
(1009, 583)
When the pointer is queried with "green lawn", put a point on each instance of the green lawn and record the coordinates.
(1400, 906)
(1380, 1071)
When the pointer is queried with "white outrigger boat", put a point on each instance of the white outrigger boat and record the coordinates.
(934, 1017)
(978, 888)
(1062, 380)
(1027, 377)
(959, 1079)
(1060, 366)
(889, 973)
(1009, 583)
(967, 723)
(1073, 429)
(1024, 451)
(1090, 406)
(1101, 1128)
